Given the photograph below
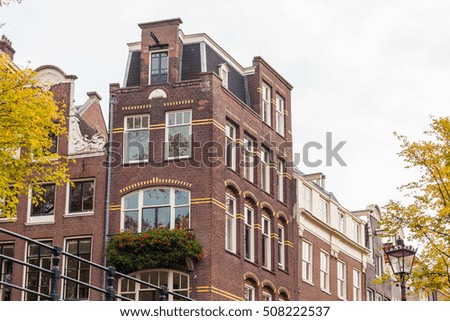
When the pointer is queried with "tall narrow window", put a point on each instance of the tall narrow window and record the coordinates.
(266, 112)
(230, 227)
(341, 222)
(159, 67)
(280, 178)
(307, 198)
(230, 143)
(265, 170)
(356, 233)
(6, 270)
(378, 265)
(370, 295)
(223, 73)
(77, 270)
(249, 234)
(281, 248)
(324, 271)
(356, 285)
(54, 147)
(248, 159)
(266, 250)
(323, 210)
(178, 134)
(81, 196)
(136, 138)
(37, 280)
(279, 120)
(341, 280)
(162, 207)
(307, 261)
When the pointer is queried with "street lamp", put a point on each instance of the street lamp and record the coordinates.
(401, 259)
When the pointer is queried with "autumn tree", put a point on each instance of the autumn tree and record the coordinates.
(427, 214)
(29, 121)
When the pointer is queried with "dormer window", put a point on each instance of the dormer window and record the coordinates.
(223, 73)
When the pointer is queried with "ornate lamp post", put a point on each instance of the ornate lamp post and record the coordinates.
(401, 259)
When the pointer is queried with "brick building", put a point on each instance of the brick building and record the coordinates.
(71, 216)
(332, 263)
(202, 142)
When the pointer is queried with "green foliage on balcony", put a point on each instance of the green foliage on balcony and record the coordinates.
(154, 248)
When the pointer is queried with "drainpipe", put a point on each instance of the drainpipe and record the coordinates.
(112, 103)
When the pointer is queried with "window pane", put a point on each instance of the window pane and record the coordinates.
(156, 196)
(148, 218)
(182, 217)
(171, 119)
(181, 197)
(131, 221)
(137, 145)
(131, 202)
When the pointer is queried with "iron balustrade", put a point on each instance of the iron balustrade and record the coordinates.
(55, 275)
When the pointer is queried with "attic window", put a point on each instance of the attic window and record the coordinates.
(223, 73)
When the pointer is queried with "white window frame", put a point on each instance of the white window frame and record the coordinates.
(281, 247)
(307, 198)
(26, 270)
(126, 131)
(356, 232)
(141, 206)
(341, 221)
(279, 118)
(249, 233)
(68, 189)
(265, 170)
(267, 296)
(167, 148)
(66, 240)
(378, 265)
(230, 224)
(370, 295)
(139, 287)
(307, 261)
(325, 271)
(223, 74)
(3, 273)
(267, 255)
(378, 297)
(266, 104)
(280, 175)
(357, 285)
(249, 292)
(230, 133)
(249, 162)
(323, 210)
(41, 219)
(341, 280)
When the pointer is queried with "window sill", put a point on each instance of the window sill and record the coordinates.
(135, 163)
(68, 215)
(5, 220)
(177, 158)
(325, 291)
(39, 223)
(268, 270)
(251, 262)
(232, 253)
(308, 282)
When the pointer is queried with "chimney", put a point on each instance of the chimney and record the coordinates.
(6, 47)
(94, 95)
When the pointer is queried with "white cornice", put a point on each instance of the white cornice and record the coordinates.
(203, 37)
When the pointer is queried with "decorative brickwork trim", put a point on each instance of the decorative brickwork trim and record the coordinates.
(137, 107)
(177, 103)
(156, 181)
(225, 294)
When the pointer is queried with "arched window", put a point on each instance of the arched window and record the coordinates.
(267, 294)
(250, 290)
(283, 296)
(166, 207)
(174, 281)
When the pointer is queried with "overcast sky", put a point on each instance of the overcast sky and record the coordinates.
(360, 69)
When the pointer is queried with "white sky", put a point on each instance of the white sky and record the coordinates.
(360, 69)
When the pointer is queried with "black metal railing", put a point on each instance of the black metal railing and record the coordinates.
(111, 274)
